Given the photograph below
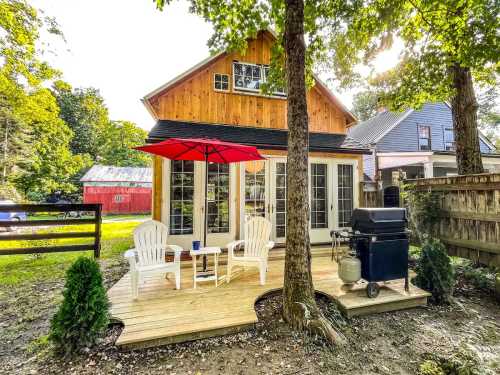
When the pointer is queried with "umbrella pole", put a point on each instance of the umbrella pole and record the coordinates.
(206, 212)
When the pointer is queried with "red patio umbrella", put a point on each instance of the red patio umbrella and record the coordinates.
(202, 149)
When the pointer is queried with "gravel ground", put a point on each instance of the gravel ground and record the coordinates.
(389, 343)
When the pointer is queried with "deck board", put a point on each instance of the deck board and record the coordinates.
(163, 315)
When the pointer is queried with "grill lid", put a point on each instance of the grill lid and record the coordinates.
(378, 216)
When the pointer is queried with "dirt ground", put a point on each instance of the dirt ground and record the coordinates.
(389, 343)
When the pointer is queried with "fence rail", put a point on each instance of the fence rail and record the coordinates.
(470, 215)
(95, 245)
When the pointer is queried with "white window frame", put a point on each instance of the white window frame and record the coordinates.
(236, 88)
(228, 82)
(262, 68)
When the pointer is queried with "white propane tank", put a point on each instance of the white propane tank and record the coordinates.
(349, 269)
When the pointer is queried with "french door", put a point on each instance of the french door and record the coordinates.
(183, 210)
(332, 195)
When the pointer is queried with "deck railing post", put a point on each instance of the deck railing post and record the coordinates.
(98, 219)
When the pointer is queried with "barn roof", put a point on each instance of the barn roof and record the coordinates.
(103, 173)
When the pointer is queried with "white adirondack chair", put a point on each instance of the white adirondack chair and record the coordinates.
(148, 257)
(256, 247)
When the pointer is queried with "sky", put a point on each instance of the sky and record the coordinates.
(127, 48)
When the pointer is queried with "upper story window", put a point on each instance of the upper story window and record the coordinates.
(221, 82)
(449, 140)
(424, 137)
(250, 77)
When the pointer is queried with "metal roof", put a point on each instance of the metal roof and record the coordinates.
(261, 137)
(372, 130)
(103, 173)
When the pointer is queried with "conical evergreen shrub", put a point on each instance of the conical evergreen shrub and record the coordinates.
(84, 312)
(435, 272)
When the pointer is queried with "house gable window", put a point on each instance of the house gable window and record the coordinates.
(424, 137)
(449, 140)
(250, 77)
(221, 82)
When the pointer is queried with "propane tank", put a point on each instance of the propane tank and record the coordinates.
(349, 269)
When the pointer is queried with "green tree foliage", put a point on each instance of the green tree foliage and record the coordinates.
(51, 166)
(435, 272)
(119, 138)
(95, 135)
(365, 105)
(86, 114)
(35, 156)
(83, 314)
(447, 44)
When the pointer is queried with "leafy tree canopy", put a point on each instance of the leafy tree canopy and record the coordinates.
(365, 104)
(436, 36)
(118, 140)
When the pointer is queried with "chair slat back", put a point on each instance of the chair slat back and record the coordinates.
(257, 235)
(150, 240)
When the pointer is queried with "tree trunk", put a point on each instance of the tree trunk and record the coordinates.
(464, 109)
(299, 305)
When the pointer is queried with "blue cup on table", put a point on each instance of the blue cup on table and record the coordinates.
(196, 245)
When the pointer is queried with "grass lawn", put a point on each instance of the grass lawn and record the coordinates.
(15, 269)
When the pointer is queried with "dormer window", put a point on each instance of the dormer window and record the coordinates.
(250, 77)
(221, 82)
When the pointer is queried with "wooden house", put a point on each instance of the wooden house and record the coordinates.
(221, 98)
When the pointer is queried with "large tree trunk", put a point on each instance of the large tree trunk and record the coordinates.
(464, 109)
(299, 305)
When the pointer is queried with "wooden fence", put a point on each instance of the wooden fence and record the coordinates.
(65, 209)
(470, 215)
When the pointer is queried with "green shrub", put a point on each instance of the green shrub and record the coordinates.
(481, 278)
(83, 314)
(434, 271)
(430, 367)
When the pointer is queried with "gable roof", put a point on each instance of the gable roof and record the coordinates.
(211, 59)
(260, 137)
(372, 130)
(103, 173)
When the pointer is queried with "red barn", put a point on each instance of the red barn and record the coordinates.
(121, 190)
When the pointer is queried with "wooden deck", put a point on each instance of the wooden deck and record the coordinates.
(163, 315)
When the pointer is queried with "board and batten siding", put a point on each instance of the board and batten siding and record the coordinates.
(194, 98)
(404, 136)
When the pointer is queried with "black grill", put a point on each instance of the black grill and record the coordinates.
(380, 240)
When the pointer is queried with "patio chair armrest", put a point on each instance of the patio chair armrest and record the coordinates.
(232, 245)
(177, 251)
(268, 247)
(131, 256)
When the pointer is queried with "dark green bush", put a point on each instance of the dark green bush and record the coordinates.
(435, 272)
(83, 314)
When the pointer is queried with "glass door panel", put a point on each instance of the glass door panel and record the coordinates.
(181, 197)
(345, 178)
(278, 206)
(221, 224)
(218, 198)
(255, 189)
(319, 200)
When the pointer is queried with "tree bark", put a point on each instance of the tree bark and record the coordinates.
(464, 109)
(299, 305)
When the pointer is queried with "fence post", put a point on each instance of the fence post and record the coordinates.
(97, 243)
